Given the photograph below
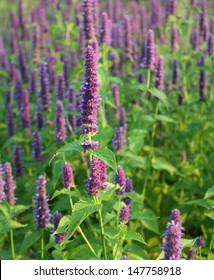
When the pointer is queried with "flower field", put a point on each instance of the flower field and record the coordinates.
(106, 130)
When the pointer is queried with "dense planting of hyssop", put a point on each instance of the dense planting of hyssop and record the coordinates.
(107, 128)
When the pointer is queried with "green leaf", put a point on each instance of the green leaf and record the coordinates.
(107, 195)
(135, 161)
(30, 238)
(71, 147)
(159, 94)
(63, 224)
(133, 235)
(115, 80)
(186, 243)
(83, 252)
(149, 220)
(164, 118)
(135, 252)
(162, 164)
(7, 224)
(104, 135)
(62, 191)
(107, 156)
(209, 193)
(18, 209)
(5, 208)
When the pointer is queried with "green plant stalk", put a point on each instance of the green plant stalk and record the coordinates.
(42, 245)
(12, 245)
(101, 228)
(148, 79)
(118, 242)
(118, 210)
(81, 232)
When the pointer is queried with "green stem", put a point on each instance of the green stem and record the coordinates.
(148, 79)
(12, 244)
(118, 210)
(101, 229)
(81, 232)
(42, 245)
(118, 242)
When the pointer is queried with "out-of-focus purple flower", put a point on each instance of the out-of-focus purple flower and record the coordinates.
(174, 39)
(72, 119)
(44, 93)
(10, 120)
(118, 139)
(156, 15)
(9, 185)
(110, 9)
(41, 209)
(37, 147)
(175, 72)
(95, 47)
(122, 121)
(95, 8)
(60, 129)
(40, 119)
(193, 3)
(115, 93)
(43, 20)
(59, 237)
(93, 145)
(114, 67)
(25, 110)
(13, 41)
(159, 75)
(18, 166)
(124, 214)
(21, 9)
(18, 90)
(129, 41)
(128, 189)
(200, 242)
(149, 56)
(2, 193)
(192, 253)
(60, 87)
(195, 39)
(171, 6)
(105, 30)
(212, 25)
(90, 97)
(36, 43)
(172, 247)
(103, 175)
(22, 62)
(210, 44)
(88, 21)
(203, 19)
(67, 175)
(120, 179)
(33, 82)
(66, 70)
(124, 257)
(202, 81)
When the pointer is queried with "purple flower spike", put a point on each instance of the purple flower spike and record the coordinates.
(37, 148)
(210, 44)
(94, 181)
(173, 247)
(95, 8)
(2, 193)
(159, 76)
(149, 57)
(36, 43)
(175, 72)
(105, 30)
(128, 189)
(118, 139)
(60, 87)
(22, 62)
(9, 186)
(59, 237)
(90, 97)
(41, 209)
(212, 25)
(18, 169)
(174, 39)
(60, 131)
(103, 175)
(129, 42)
(10, 120)
(192, 253)
(120, 179)
(66, 70)
(114, 67)
(33, 82)
(18, 90)
(93, 145)
(88, 21)
(25, 110)
(124, 214)
(200, 242)
(44, 86)
(195, 39)
(67, 175)
(124, 257)
(171, 6)
(202, 81)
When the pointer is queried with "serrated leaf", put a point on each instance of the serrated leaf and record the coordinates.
(159, 94)
(71, 147)
(59, 192)
(104, 135)
(164, 118)
(30, 238)
(135, 161)
(5, 208)
(186, 243)
(107, 156)
(107, 195)
(149, 220)
(63, 224)
(132, 235)
(7, 224)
